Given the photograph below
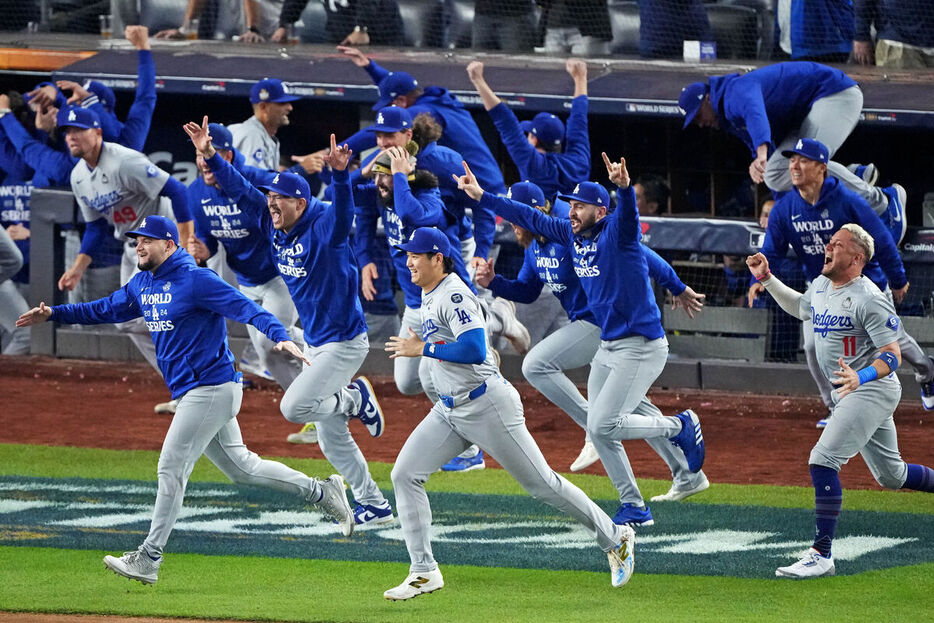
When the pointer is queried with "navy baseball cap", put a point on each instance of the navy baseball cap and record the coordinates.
(547, 128)
(690, 100)
(427, 240)
(78, 117)
(526, 192)
(271, 90)
(157, 227)
(392, 86)
(526, 126)
(103, 92)
(289, 185)
(391, 119)
(221, 138)
(809, 148)
(589, 192)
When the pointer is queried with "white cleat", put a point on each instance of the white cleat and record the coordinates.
(135, 565)
(334, 502)
(308, 434)
(586, 458)
(811, 565)
(416, 584)
(675, 495)
(622, 558)
(167, 408)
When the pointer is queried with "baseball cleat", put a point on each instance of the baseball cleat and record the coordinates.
(586, 458)
(167, 408)
(370, 514)
(308, 434)
(513, 330)
(675, 495)
(370, 412)
(895, 218)
(631, 515)
(622, 559)
(811, 565)
(334, 502)
(866, 172)
(690, 440)
(822, 423)
(416, 584)
(461, 464)
(927, 394)
(135, 565)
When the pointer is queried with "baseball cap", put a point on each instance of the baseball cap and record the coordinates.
(809, 148)
(589, 192)
(526, 192)
(221, 138)
(396, 83)
(271, 90)
(547, 128)
(427, 240)
(690, 100)
(391, 119)
(290, 185)
(77, 117)
(103, 92)
(526, 126)
(157, 227)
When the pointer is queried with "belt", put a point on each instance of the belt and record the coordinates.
(455, 401)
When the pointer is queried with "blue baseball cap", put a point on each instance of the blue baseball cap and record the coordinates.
(560, 209)
(547, 128)
(391, 119)
(289, 185)
(809, 148)
(526, 192)
(158, 227)
(271, 90)
(692, 96)
(526, 126)
(78, 117)
(392, 86)
(427, 240)
(589, 192)
(103, 92)
(221, 138)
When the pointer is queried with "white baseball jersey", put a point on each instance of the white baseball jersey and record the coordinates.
(448, 311)
(123, 188)
(253, 141)
(852, 322)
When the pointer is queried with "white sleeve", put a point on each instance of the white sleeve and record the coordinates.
(787, 298)
(461, 313)
(141, 175)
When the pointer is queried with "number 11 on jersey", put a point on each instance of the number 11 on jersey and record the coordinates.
(849, 346)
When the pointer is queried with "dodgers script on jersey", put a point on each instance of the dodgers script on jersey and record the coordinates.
(123, 188)
(852, 322)
(448, 311)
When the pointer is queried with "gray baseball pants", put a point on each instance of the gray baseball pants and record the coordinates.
(496, 422)
(12, 304)
(274, 297)
(205, 422)
(411, 373)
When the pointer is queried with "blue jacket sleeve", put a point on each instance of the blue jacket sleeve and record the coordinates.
(111, 128)
(94, 235)
(745, 106)
(556, 230)
(222, 298)
(178, 195)
(662, 272)
(470, 347)
(333, 227)
(365, 232)
(627, 217)
(422, 210)
(247, 196)
(35, 154)
(376, 72)
(866, 15)
(484, 227)
(529, 161)
(525, 288)
(577, 145)
(886, 251)
(119, 307)
(136, 128)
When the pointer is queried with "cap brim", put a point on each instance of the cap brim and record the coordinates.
(570, 198)
(382, 102)
(688, 118)
(284, 99)
(383, 128)
(78, 125)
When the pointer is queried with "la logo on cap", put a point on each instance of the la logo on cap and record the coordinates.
(800, 144)
(434, 247)
(509, 194)
(71, 115)
(276, 179)
(577, 189)
(263, 94)
(379, 118)
(143, 224)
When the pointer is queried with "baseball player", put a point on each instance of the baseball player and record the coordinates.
(856, 335)
(609, 261)
(538, 155)
(806, 218)
(309, 242)
(770, 108)
(255, 138)
(115, 185)
(575, 344)
(476, 405)
(184, 308)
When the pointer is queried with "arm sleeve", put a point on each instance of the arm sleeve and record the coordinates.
(95, 233)
(35, 154)
(120, 306)
(470, 347)
(222, 298)
(627, 217)
(247, 196)
(136, 128)
(577, 146)
(526, 157)
(365, 232)
(178, 195)
(376, 72)
(525, 288)
(335, 224)
(787, 299)
(415, 211)
(111, 128)
(556, 230)
(866, 13)
(291, 11)
(748, 105)
(662, 272)
(484, 227)
(877, 315)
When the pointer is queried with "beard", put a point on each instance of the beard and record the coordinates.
(387, 200)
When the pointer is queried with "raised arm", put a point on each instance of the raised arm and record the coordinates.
(627, 213)
(335, 226)
(787, 298)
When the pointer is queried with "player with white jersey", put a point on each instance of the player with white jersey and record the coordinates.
(856, 339)
(118, 186)
(476, 405)
(255, 138)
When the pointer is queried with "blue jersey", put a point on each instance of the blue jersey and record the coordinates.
(314, 257)
(808, 228)
(184, 308)
(608, 260)
(553, 172)
(51, 167)
(767, 104)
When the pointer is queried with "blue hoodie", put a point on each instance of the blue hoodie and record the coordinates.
(134, 131)
(767, 104)
(820, 27)
(184, 308)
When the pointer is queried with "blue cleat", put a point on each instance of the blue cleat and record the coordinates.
(866, 172)
(631, 515)
(895, 218)
(370, 412)
(369, 514)
(460, 464)
(690, 440)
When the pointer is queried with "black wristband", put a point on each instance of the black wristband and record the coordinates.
(253, 29)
